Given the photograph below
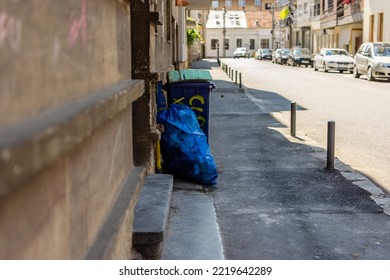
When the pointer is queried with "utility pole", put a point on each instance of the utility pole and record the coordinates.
(224, 33)
(290, 28)
(273, 26)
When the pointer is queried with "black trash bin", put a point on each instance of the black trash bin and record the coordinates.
(195, 95)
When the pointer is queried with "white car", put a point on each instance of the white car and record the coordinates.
(373, 60)
(333, 59)
(240, 52)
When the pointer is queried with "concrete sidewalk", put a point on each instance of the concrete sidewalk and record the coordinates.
(274, 192)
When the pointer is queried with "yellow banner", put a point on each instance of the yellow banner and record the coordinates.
(284, 13)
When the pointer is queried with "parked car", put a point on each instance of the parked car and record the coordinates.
(373, 60)
(265, 54)
(240, 52)
(300, 56)
(282, 59)
(275, 55)
(333, 59)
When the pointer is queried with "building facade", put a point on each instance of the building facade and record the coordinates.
(376, 21)
(249, 24)
(328, 23)
(77, 120)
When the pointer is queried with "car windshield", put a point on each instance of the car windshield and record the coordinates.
(302, 51)
(240, 50)
(336, 52)
(266, 51)
(286, 51)
(382, 50)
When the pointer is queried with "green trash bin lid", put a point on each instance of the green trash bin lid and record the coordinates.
(189, 75)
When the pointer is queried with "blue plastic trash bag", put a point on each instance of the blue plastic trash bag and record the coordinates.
(184, 148)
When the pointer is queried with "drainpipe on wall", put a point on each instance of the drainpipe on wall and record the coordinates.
(182, 40)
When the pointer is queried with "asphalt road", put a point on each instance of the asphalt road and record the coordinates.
(359, 108)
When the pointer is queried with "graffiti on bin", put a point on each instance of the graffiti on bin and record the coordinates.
(194, 105)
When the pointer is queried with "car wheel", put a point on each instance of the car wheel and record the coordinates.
(355, 72)
(369, 74)
(325, 69)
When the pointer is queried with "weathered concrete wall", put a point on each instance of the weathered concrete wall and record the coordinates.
(153, 42)
(58, 213)
(56, 51)
(66, 129)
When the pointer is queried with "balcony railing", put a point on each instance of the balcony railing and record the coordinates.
(344, 14)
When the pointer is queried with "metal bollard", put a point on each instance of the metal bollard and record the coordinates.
(240, 78)
(331, 145)
(235, 79)
(232, 77)
(293, 119)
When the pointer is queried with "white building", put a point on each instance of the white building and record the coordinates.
(376, 21)
(249, 29)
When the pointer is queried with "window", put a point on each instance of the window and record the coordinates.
(228, 3)
(371, 29)
(380, 27)
(330, 4)
(251, 44)
(368, 50)
(258, 3)
(241, 3)
(268, 6)
(239, 43)
(214, 4)
(264, 43)
(317, 8)
(214, 44)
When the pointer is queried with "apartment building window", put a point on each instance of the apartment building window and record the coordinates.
(371, 29)
(214, 44)
(317, 8)
(330, 5)
(214, 4)
(241, 3)
(264, 43)
(228, 3)
(340, 8)
(239, 43)
(251, 44)
(258, 3)
(380, 27)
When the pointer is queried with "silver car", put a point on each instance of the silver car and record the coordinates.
(373, 60)
(241, 52)
(333, 59)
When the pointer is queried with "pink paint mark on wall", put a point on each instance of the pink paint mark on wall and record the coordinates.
(10, 32)
(78, 27)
